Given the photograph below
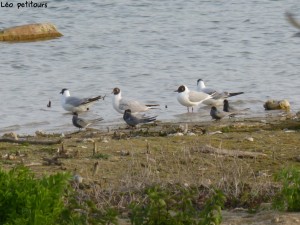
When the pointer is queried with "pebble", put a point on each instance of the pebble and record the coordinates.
(175, 135)
(88, 140)
(215, 132)
(249, 139)
(105, 140)
(78, 179)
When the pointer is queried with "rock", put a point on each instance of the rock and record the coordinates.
(176, 134)
(86, 140)
(215, 132)
(78, 179)
(274, 104)
(105, 140)
(249, 139)
(40, 133)
(29, 32)
(297, 158)
(11, 135)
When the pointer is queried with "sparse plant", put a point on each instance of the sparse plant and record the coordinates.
(176, 208)
(289, 196)
(100, 156)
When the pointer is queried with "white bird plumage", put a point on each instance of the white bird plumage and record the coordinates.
(74, 104)
(218, 97)
(120, 104)
(191, 98)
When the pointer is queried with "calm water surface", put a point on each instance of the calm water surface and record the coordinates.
(148, 49)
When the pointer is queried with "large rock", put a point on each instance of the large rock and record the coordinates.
(30, 32)
(274, 104)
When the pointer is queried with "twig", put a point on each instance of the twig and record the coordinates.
(33, 142)
(234, 153)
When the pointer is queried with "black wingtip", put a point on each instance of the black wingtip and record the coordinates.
(234, 94)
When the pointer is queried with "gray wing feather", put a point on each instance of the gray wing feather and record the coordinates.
(74, 101)
(208, 90)
(134, 105)
(195, 96)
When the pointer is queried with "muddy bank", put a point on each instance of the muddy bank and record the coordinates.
(238, 157)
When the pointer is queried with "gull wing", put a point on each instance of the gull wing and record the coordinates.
(195, 96)
(134, 105)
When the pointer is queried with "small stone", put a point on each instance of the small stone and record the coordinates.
(297, 158)
(88, 140)
(40, 133)
(105, 140)
(215, 132)
(249, 139)
(124, 153)
(78, 179)
(276, 220)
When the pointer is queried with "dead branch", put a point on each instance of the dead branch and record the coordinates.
(33, 142)
(234, 153)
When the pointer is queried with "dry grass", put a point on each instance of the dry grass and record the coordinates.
(130, 161)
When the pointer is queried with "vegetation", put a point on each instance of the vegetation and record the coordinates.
(289, 196)
(123, 187)
(179, 208)
(26, 200)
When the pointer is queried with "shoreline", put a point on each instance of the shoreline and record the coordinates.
(192, 155)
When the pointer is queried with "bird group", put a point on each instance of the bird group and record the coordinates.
(131, 109)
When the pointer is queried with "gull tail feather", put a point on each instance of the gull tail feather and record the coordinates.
(235, 93)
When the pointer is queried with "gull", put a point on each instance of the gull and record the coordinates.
(133, 120)
(81, 123)
(217, 115)
(191, 98)
(74, 104)
(218, 97)
(121, 104)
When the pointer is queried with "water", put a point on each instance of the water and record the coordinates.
(148, 49)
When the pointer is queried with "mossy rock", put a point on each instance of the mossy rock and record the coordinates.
(30, 32)
(274, 104)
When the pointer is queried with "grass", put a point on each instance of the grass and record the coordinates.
(154, 159)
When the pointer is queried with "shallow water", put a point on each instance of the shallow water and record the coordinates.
(148, 49)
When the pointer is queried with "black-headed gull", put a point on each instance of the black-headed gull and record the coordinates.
(74, 104)
(218, 97)
(191, 98)
(120, 104)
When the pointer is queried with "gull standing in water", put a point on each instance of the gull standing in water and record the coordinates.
(133, 120)
(74, 104)
(81, 123)
(121, 104)
(218, 97)
(191, 98)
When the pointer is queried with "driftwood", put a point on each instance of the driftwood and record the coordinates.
(33, 142)
(233, 153)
